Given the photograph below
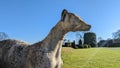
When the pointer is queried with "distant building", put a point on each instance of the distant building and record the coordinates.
(109, 43)
(116, 40)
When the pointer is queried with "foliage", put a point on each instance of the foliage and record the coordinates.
(86, 46)
(91, 58)
(80, 44)
(100, 38)
(90, 38)
(116, 35)
(3, 36)
(73, 44)
(69, 43)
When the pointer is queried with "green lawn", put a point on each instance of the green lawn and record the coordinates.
(91, 58)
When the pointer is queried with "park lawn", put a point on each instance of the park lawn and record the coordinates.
(91, 58)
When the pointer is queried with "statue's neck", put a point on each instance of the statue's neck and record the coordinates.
(55, 37)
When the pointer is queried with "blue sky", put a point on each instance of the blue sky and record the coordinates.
(31, 20)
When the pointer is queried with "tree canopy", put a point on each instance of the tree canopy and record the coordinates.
(3, 36)
(116, 35)
(90, 39)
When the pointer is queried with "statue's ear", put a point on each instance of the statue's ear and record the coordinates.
(63, 15)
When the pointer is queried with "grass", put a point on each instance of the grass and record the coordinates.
(91, 58)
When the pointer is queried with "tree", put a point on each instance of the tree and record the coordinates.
(116, 35)
(63, 44)
(90, 39)
(3, 36)
(99, 39)
(80, 42)
(68, 43)
(73, 44)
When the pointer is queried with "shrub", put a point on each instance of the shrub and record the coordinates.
(87, 46)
